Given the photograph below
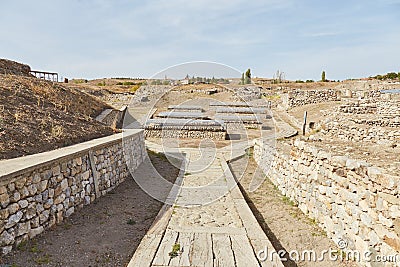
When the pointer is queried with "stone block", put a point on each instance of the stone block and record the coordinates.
(394, 200)
(59, 199)
(56, 170)
(4, 200)
(23, 228)
(14, 219)
(4, 213)
(393, 242)
(41, 186)
(36, 231)
(13, 208)
(69, 212)
(385, 221)
(366, 219)
(6, 239)
(44, 216)
(20, 183)
(3, 189)
(352, 164)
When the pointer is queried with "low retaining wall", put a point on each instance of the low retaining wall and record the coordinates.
(351, 200)
(298, 98)
(372, 106)
(38, 191)
(185, 133)
(363, 130)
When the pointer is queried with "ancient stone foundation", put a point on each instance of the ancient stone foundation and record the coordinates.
(185, 133)
(351, 200)
(298, 98)
(38, 191)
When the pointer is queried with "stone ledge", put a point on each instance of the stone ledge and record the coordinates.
(11, 168)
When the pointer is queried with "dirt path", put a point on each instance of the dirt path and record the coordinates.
(285, 225)
(105, 233)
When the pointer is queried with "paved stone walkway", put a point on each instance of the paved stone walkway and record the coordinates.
(208, 218)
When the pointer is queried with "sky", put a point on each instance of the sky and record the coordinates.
(129, 38)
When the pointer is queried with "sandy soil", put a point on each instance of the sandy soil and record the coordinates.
(105, 233)
(285, 225)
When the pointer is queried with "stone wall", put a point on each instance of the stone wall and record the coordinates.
(364, 120)
(353, 129)
(298, 98)
(185, 133)
(39, 191)
(351, 200)
(372, 106)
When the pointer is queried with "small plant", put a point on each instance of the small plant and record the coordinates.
(35, 249)
(67, 225)
(175, 250)
(22, 246)
(57, 131)
(17, 116)
(128, 83)
(45, 259)
(131, 221)
(288, 201)
(249, 153)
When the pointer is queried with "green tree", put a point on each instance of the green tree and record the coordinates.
(248, 76)
(391, 75)
(323, 78)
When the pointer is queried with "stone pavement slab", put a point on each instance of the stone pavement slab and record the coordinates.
(209, 224)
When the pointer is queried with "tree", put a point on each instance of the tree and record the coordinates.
(279, 76)
(242, 79)
(323, 78)
(248, 76)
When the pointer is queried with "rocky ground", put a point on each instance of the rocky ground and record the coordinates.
(105, 233)
(285, 225)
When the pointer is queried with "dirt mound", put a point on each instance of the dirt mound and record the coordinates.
(15, 68)
(37, 116)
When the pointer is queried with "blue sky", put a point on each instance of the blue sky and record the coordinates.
(125, 38)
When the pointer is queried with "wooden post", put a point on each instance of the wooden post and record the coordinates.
(305, 123)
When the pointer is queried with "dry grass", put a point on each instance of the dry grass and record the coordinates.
(37, 115)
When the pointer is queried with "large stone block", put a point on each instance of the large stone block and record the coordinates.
(4, 200)
(14, 219)
(6, 239)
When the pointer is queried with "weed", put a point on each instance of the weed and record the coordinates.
(17, 116)
(175, 250)
(35, 249)
(287, 201)
(45, 259)
(57, 131)
(131, 221)
(22, 246)
(67, 226)
(312, 221)
(135, 88)
(249, 152)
